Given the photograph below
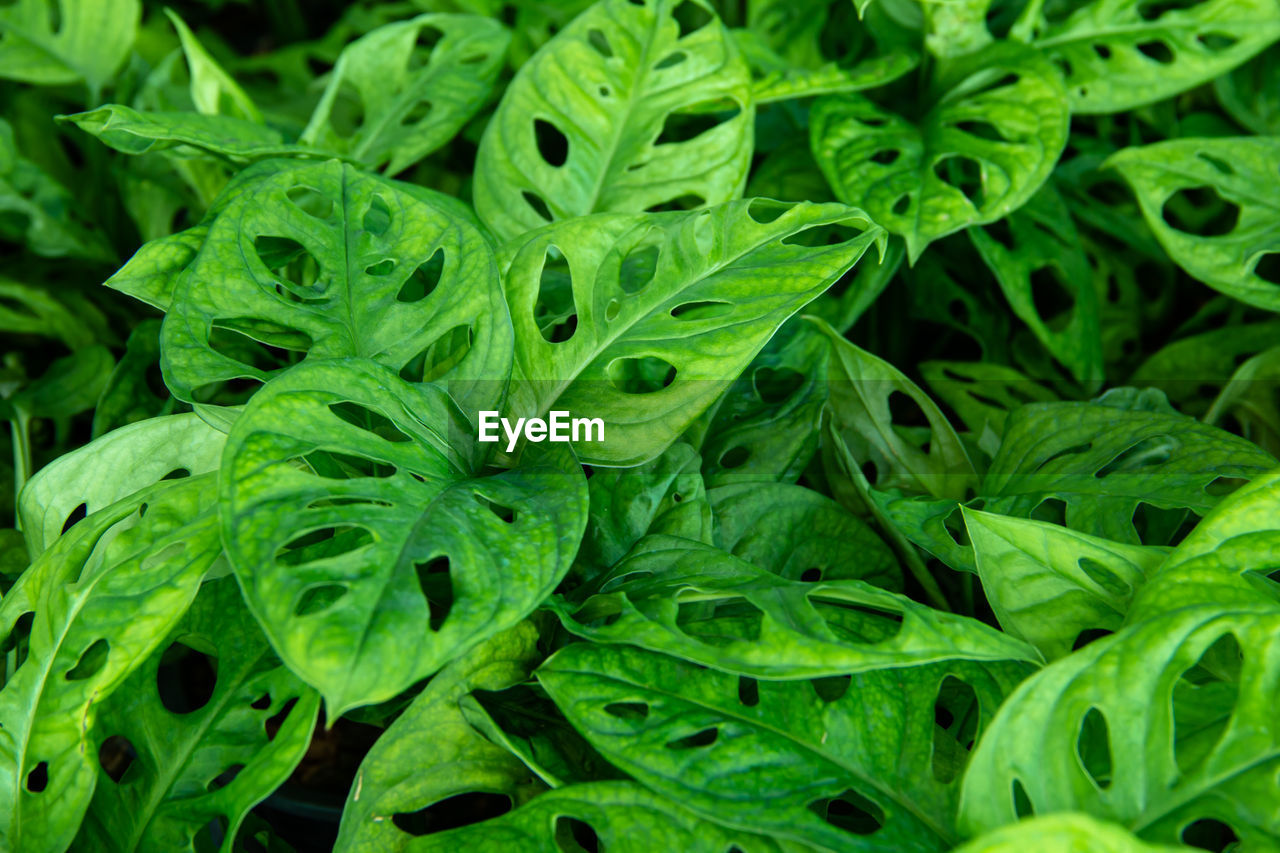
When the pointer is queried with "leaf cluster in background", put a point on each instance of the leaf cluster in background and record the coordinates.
(937, 351)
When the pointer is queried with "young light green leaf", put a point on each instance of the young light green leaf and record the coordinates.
(1047, 584)
(1067, 832)
(415, 83)
(1251, 93)
(324, 260)
(367, 545)
(103, 597)
(861, 386)
(113, 467)
(667, 309)
(151, 275)
(854, 763)
(431, 752)
(1169, 722)
(1121, 54)
(54, 42)
(213, 91)
(191, 766)
(775, 79)
(983, 394)
(981, 152)
(626, 109)
(1035, 254)
(704, 605)
(1234, 253)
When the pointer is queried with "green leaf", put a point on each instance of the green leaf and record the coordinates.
(688, 297)
(1047, 584)
(1067, 832)
(861, 386)
(113, 467)
(29, 310)
(704, 605)
(129, 396)
(177, 781)
(1158, 726)
(1182, 368)
(324, 260)
(151, 275)
(1251, 93)
(239, 140)
(622, 817)
(957, 27)
(982, 394)
(103, 597)
(213, 91)
(366, 541)
(1036, 256)
(88, 42)
(431, 752)
(622, 111)
(411, 98)
(775, 79)
(1121, 54)
(983, 149)
(71, 385)
(1235, 252)
(842, 764)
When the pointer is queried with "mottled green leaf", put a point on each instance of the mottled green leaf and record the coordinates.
(1069, 832)
(52, 42)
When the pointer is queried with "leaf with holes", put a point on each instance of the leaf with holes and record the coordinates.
(983, 394)
(987, 144)
(172, 757)
(1062, 833)
(55, 42)
(631, 107)
(667, 309)
(368, 542)
(103, 596)
(702, 604)
(1121, 54)
(1036, 256)
(413, 85)
(324, 261)
(775, 79)
(863, 762)
(1162, 728)
(1047, 584)
(430, 760)
(1237, 180)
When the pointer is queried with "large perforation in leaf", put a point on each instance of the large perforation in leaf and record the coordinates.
(635, 359)
(290, 276)
(417, 82)
(649, 114)
(1163, 777)
(981, 152)
(1244, 172)
(797, 745)
(329, 518)
(1121, 54)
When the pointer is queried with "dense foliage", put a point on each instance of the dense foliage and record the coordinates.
(935, 342)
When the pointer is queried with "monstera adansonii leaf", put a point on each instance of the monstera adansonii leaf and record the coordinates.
(367, 538)
(55, 42)
(658, 314)
(1236, 251)
(1157, 727)
(868, 762)
(625, 110)
(1069, 832)
(984, 148)
(325, 261)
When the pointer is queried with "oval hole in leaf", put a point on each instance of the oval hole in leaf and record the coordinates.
(829, 234)
(1022, 806)
(634, 711)
(436, 584)
(368, 420)
(748, 691)
(38, 778)
(384, 267)
(735, 457)
(1209, 833)
(1148, 453)
(225, 778)
(670, 60)
(575, 836)
(777, 385)
(377, 219)
(423, 281)
(346, 115)
(963, 173)
(453, 812)
(271, 725)
(1089, 635)
(955, 715)
(1157, 50)
(1267, 267)
(686, 126)
(1201, 212)
(504, 513)
(417, 113)
(691, 17)
(644, 375)
(552, 144)
(185, 679)
(1223, 486)
(1093, 746)
(600, 43)
(554, 307)
(75, 516)
(316, 599)
(701, 310)
(310, 201)
(766, 210)
(832, 687)
(697, 740)
(638, 267)
(324, 543)
(1204, 699)
(1104, 577)
(116, 756)
(91, 662)
(851, 812)
(537, 205)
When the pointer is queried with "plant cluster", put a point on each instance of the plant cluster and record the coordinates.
(936, 352)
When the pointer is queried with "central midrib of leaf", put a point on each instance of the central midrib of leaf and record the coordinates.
(921, 815)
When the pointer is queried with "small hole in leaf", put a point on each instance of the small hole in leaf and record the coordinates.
(1093, 746)
(310, 201)
(735, 457)
(325, 543)
(177, 474)
(369, 420)
(552, 144)
(383, 267)
(1217, 42)
(76, 515)
(1052, 300)
(701, 310)
(811, 575)
(1201, 211)
(271, 725)
(1157, 50)
(1223, 486)
(437, 586)
(377, 219)
(638, 268)
(748, 691)
(682, 127)
(851, 812)
(575, 836)
(38, 778)
(1217, 163)
(600, 42)
(423, 281)
(346, 113)
(832, 688)
(955, 715)
(776, 386)
(440, 356)
(963, 173)
(1089, 635)
(688, 201)
(697, 740)
(1104, 577)
(317, 599)
(185, 678)
(691, 17)
(1102, 50)
(886, 157)
(116, 756)
(1152, 10)
(504, 513)
(670, 60)
(225, 778)
(537, 205)
(1267, 267)
(644, 375)
(417, 113)
(91, 662)
(1022, 806)
(456, 811)
(1210, 834)
(981, 129)
(1150, 452)
(829, 235)
(901, 205)
(627, 710)
(765, 210)
(262, 703)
